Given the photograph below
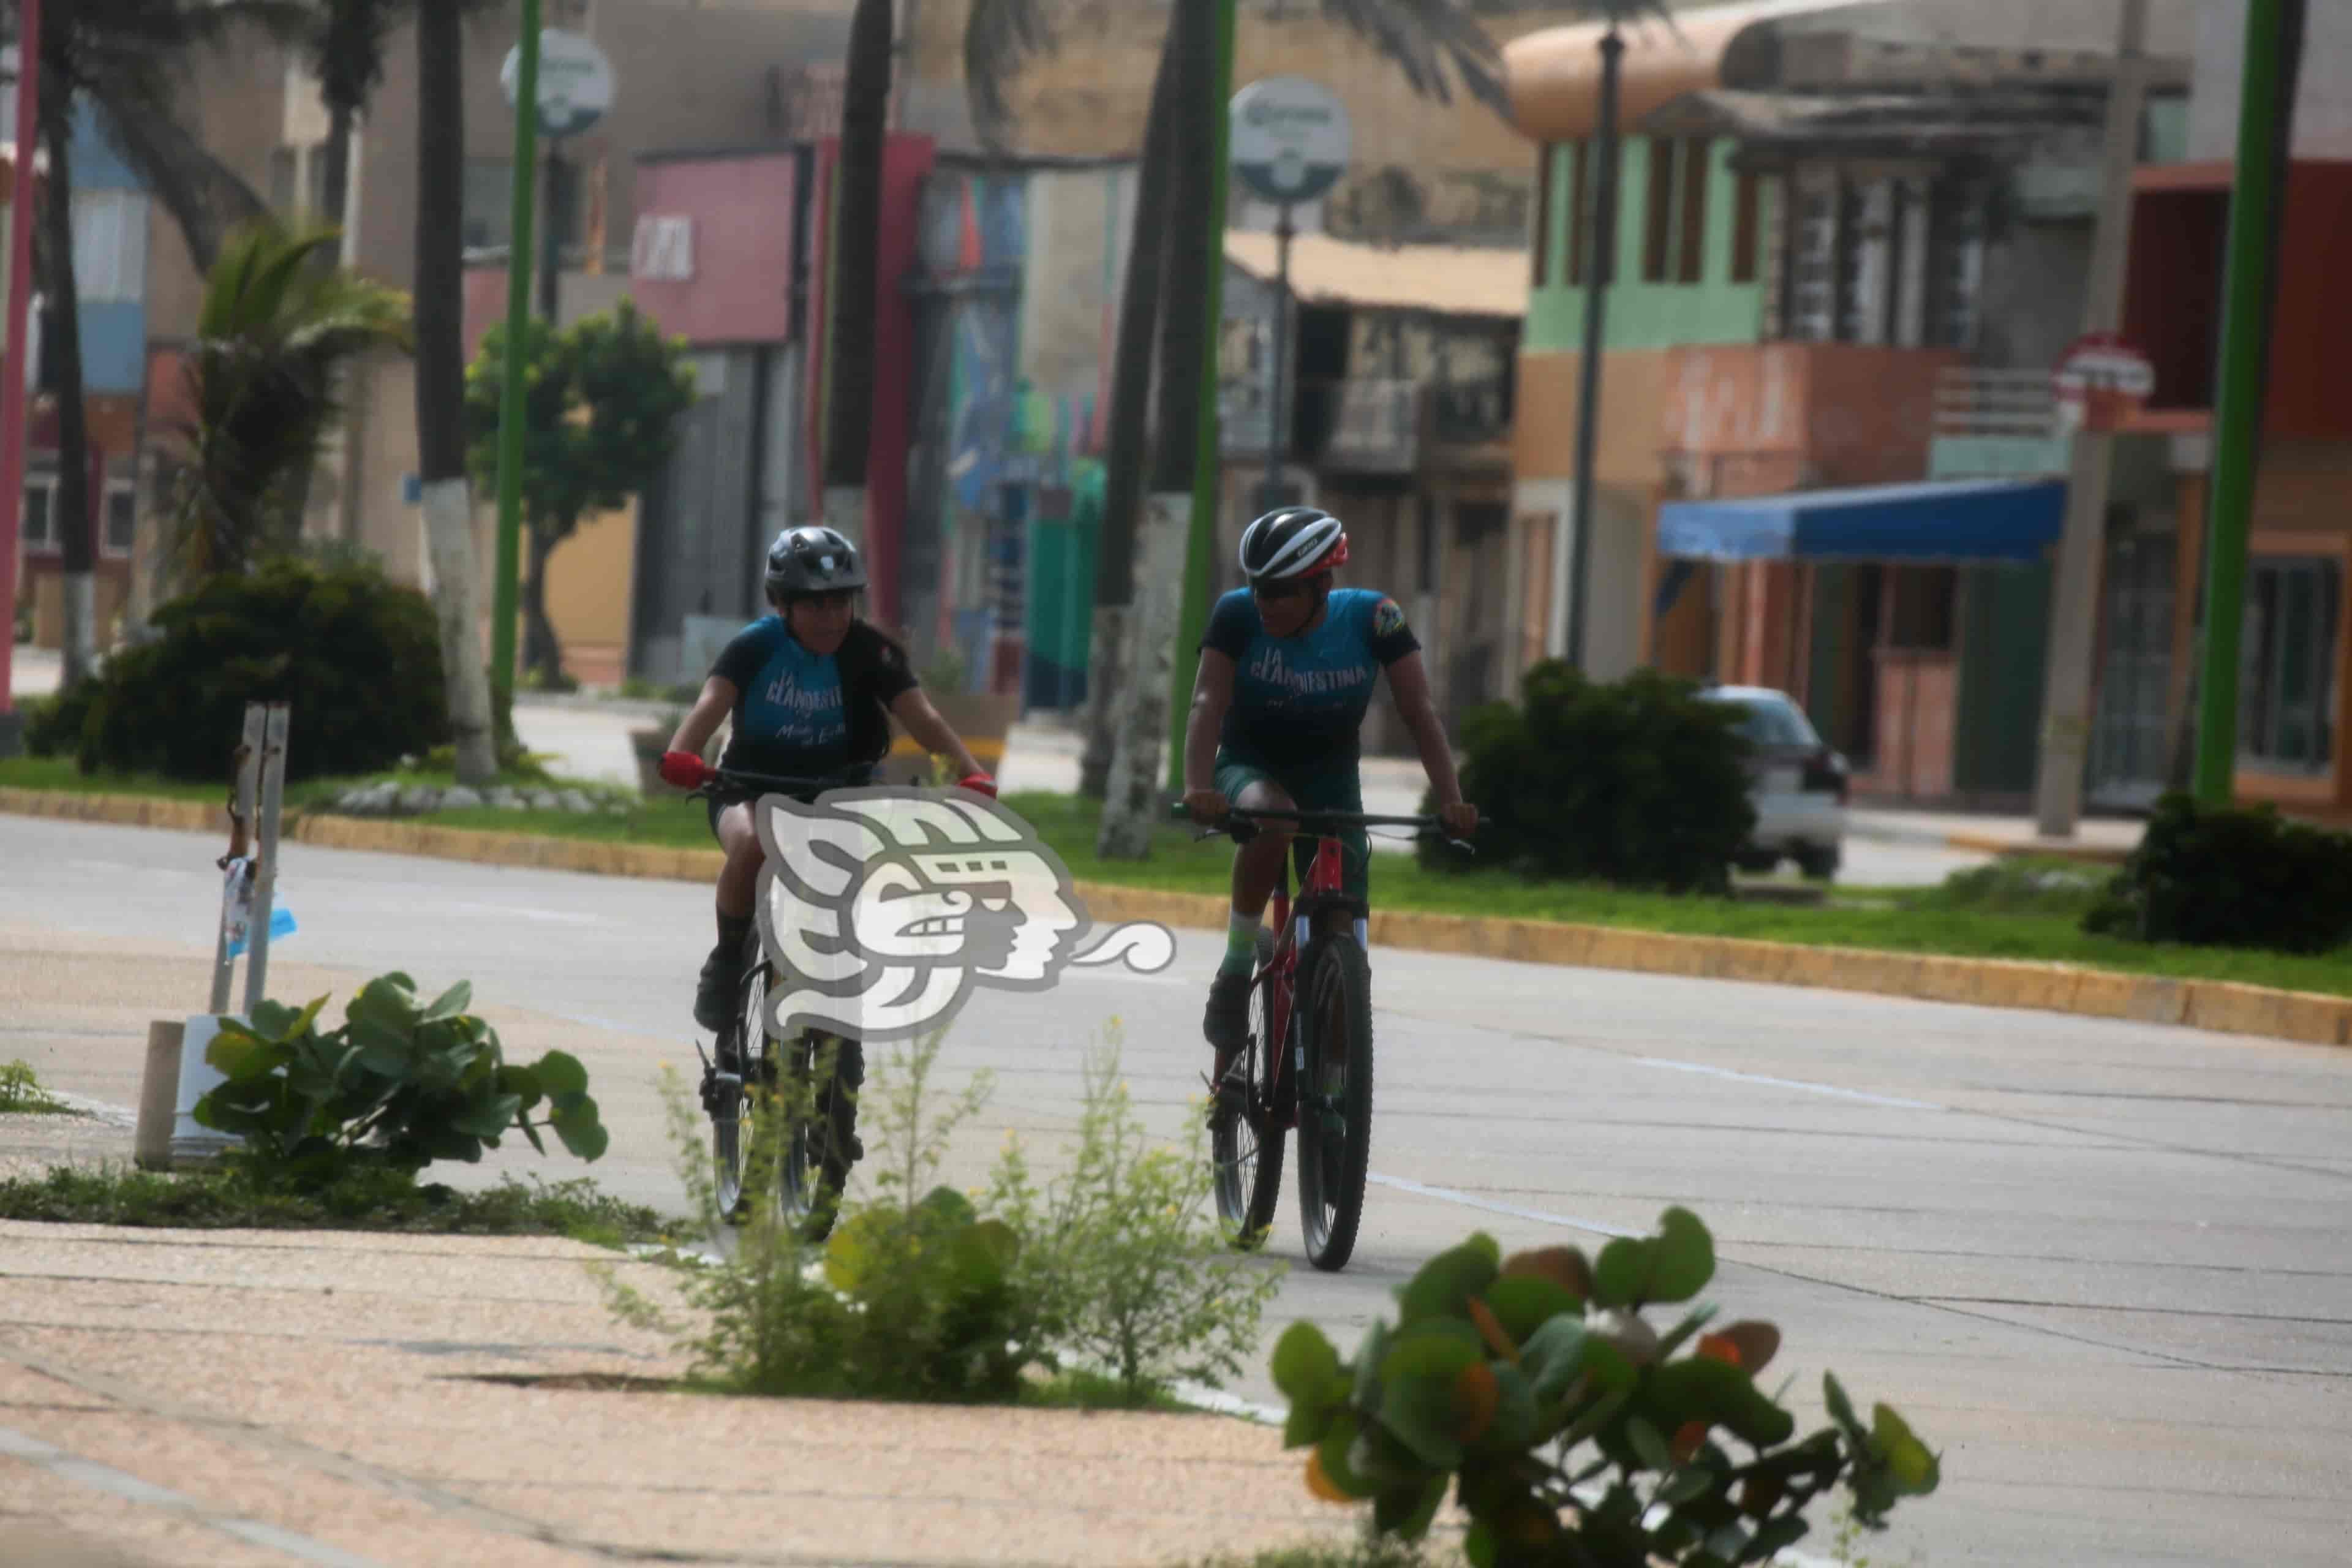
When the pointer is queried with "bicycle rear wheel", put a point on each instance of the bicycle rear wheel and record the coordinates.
(1245, 1140)
(1334, 1097)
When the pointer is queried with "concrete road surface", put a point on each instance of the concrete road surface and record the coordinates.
(2101, 1267)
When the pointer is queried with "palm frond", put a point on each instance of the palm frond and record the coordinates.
(272, 331)
(1428, 41)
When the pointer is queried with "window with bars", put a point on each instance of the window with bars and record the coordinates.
(1674, 240)
(40, 528)
(2286, 717)
(122, 520)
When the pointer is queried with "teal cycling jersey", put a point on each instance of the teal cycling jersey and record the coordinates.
(1301, 700)
(807, 715)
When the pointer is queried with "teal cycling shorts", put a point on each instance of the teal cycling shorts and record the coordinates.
(1331, 786)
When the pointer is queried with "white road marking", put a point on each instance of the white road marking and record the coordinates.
(1833, 1091)
(1447, 1194)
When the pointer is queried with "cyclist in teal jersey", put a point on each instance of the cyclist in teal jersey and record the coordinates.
(1286, 674)
(811, 689)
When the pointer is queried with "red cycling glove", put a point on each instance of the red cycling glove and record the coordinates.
(979, 783)
(685, 770)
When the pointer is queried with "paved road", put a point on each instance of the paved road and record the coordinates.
(2103, 1266)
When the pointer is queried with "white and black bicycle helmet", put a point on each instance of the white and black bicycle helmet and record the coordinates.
(811, 560)
(1292, 541)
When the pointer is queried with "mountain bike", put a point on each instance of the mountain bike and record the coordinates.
(803, 1090)
(1306, 1061)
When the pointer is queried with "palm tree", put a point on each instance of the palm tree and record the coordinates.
(273, 328)
(441, 380)
(851, 285)
(128, 60)
(1433, 42)
(1141, 723)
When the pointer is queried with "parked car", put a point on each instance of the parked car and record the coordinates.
(1796, 782)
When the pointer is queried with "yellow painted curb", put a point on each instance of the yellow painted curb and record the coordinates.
(2224, 1007)
(1981, 844)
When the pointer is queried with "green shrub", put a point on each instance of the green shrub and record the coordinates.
(936, 1297)
(2020, 885)
(2230, 877)
(1638, 782)
(1132, 1270)
(357, 658)
(54, 725)
(1533, 1383)
(400, 1084)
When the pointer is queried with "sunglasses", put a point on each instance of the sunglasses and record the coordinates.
(1281, 588)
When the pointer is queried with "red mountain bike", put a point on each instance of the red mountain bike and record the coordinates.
(1311, 995)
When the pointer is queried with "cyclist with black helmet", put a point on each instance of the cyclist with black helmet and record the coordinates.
(1286, 674)
(808, 688)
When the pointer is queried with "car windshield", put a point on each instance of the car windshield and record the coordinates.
(1770, 721)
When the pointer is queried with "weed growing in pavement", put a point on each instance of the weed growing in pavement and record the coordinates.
(1135, 1274)
(229, 1198)
(912, 1298)
(21, 1093)
(921, 1294)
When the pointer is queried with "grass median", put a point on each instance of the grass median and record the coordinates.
(2003, 915)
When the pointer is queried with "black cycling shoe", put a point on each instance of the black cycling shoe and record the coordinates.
(714, 992)
(1226, 1022)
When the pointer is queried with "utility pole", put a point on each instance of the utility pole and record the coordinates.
(2265, 143)
(1201, 546)
(2074, 600)
(12, 362)
(1566, 638)
(511, 400)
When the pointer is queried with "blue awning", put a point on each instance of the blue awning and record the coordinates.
(1953, 519)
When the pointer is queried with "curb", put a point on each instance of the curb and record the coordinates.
(1990, 844)
(2222, 1007)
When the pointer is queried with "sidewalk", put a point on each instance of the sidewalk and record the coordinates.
(2103, 838)
(175, 1397)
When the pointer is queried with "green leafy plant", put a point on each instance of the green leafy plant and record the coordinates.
(1640, 783)
(1570, 1430)
(2230, 876)
(915, 1295)
(400, 1084)
(21, 1093)
(922, 1293)
(1133, 1271)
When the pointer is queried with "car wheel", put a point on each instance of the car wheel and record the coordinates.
(1819, 865)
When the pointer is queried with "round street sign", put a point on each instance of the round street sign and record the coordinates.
(1289, 139)
(575, 82)
(2100, 380)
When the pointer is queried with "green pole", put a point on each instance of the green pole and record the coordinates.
(2237, 416)
(510, 402)
(1201, 547)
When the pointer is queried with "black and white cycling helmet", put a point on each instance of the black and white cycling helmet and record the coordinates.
(811, 560)
(1293, 541)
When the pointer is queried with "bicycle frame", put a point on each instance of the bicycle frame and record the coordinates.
(1324, 888)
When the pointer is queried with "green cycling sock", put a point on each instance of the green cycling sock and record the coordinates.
(1241, 944)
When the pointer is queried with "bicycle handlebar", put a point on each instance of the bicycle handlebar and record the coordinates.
(1241, 823)
(769, 784)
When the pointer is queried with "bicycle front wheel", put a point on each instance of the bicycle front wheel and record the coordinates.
(821, 1099)
(735, 1097)
(1245, 1139)
(1334, 1098)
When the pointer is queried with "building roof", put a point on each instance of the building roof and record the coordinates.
(1879, 124)
(1553, 77)
(1448, 279)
